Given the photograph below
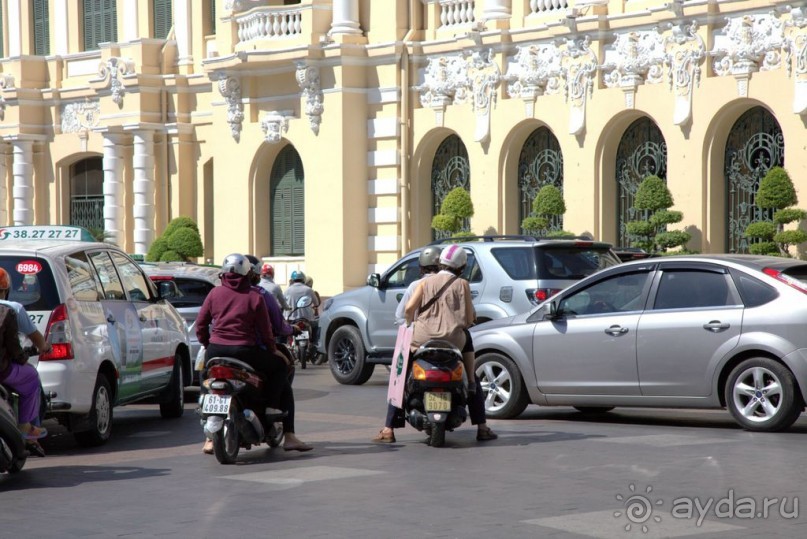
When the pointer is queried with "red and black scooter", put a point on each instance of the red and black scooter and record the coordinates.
(436, 393)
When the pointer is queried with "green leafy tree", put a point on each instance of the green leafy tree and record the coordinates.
(455, 209)
(776, 192)
(651, 234)
(548, 204)
(178, 243)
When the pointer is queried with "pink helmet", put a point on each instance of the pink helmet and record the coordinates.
(453, 256)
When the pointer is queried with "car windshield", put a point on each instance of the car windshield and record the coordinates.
(181, 292)
(32, 282)
(564, 262)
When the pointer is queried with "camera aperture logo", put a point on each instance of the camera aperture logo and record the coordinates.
(638, 508)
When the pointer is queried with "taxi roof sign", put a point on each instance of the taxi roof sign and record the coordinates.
(10, 234)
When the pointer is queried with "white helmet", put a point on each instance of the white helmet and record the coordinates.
(453, 256)
(236, 263)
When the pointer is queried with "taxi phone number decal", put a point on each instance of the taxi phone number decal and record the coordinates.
(40, 233)
(29, 267)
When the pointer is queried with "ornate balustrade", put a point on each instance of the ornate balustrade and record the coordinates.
(270, 23)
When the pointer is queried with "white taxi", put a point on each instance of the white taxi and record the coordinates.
(115, 340)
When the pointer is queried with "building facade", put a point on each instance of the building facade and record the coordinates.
(323, 134)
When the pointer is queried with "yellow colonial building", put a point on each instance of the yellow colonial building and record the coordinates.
(323, 134)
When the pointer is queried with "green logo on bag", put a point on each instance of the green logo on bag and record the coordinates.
(399, 364)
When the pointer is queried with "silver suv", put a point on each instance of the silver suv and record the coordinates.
(508, 275)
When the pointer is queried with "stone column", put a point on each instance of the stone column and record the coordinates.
(496, 9)
(129, 11)
(14, 26)
(345, 17)
(113, 186)
(182, 30)
(61, 44)
(23, 190)
(3, 190)
(143, 190)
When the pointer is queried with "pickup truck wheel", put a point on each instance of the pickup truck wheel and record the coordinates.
(347, 358)
(100, 416)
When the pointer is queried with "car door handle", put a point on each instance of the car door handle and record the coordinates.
(474, 293)
(716, 325)
(615, 331)
(110, 319)
(143, 318)
(399, 297)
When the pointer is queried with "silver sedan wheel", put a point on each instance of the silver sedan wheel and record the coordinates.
(757, 394)
(497, 384)
(103, 409)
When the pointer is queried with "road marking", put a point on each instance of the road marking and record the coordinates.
(149, 434)
(664, 440)
(605, 525)
(298, 476)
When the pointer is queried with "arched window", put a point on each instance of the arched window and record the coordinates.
(642, 152)
(450, 169)
(755, 144)
(287, 199)
(540, 164)
(87, 193)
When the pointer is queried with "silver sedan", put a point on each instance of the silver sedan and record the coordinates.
(707, 331)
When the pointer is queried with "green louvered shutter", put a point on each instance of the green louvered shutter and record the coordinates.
(100, 23)
(41, 28)
(163, 18)
(288, 204)
(212, 17)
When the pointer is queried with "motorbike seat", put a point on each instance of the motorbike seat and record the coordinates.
(230, 362)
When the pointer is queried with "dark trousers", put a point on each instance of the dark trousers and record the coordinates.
(476, 409)
(271, 367)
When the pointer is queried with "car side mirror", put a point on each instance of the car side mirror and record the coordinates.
(374, 280)
(167, 290)
(552, 311)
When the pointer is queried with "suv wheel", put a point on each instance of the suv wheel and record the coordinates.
(762, 395)
(100, 416)
(347, 358)
(505, 394)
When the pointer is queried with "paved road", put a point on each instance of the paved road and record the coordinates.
(552, 473)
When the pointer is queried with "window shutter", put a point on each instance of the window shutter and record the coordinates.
(212, 17)
(281, 216)
(298, 220)
(90, 9)
(288, 204)
(41, 28)
(163, 19)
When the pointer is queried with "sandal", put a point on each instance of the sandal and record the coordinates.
(384, 437)
(208, 447)
(300, 446)
(485, 435)
(35, 433)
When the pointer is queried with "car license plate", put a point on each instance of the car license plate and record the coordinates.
(216, 404)
(438, 402)
(302, 336)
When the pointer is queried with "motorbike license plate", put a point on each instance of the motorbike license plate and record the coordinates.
(438, 402)
(216, 404)
(303, 336)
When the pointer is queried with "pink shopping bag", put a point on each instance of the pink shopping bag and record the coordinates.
(400, 363)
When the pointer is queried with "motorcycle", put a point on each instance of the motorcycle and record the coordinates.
(14, 448)
(436, 394)
(233, 413)
(304, 349)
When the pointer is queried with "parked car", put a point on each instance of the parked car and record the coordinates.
(682, 331)
(507, 275)
(115, 340)
(185, 286)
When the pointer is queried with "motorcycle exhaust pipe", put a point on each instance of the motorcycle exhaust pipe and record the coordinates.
(417, 419)
(255, 422)
(213, 424)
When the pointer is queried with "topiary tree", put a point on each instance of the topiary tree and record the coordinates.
(776, 192)
(178, 243)
(455, 209)
(651, 234)
(548, 204)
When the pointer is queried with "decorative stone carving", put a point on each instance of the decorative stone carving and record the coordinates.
(634, 58)
(482, 78)
(236, 6)
(579, 65)
(748, 43)
(796, 53)
(113, 70)
(6, 83)
(442, 78)
(535, 71)
(685, 51)
(274, 125)
(308, 80)
(230, 89)
(80, 116)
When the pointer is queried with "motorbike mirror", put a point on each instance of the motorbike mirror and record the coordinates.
(303, 302)
(374, 280)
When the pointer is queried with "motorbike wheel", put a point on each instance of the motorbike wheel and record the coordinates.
(437, 438)
(301, 353)
(276, 434)
(226, 443)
